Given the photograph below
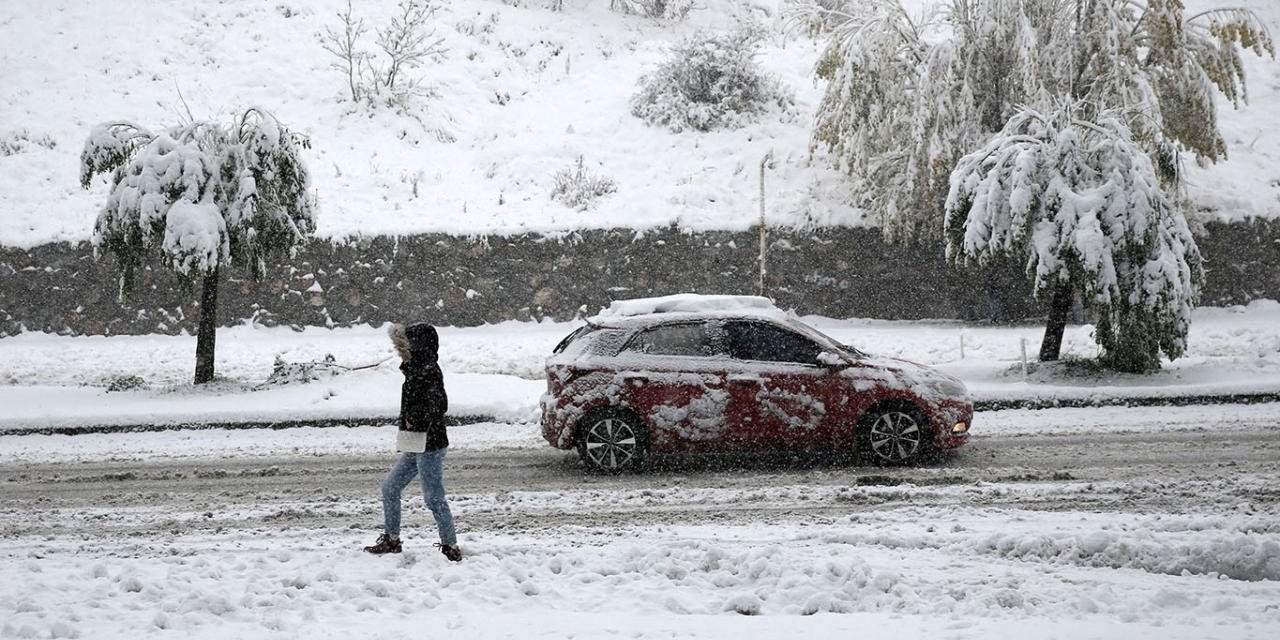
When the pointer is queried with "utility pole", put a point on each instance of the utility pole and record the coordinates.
(764, 255)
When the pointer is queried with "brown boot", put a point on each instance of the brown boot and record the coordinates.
(386, 543)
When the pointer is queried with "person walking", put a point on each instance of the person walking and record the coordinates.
(421, 439)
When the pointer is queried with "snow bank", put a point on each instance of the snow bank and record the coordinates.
(372, 395)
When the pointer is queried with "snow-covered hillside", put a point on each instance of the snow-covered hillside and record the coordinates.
(521, 93)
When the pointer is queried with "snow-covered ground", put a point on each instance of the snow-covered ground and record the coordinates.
(522, 91)
(1103, 523)
(976, 573)
(495, 370)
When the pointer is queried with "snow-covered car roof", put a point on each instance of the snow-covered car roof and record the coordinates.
(685, 306)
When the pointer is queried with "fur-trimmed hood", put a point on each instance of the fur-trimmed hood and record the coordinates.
(417, 343)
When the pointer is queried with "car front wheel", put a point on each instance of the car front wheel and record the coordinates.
(896, 437)
(612, 442)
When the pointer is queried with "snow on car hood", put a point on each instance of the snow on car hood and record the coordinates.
(925, 381)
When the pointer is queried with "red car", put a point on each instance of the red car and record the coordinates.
(734, 373)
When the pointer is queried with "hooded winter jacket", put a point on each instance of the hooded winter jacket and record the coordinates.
(423, 401)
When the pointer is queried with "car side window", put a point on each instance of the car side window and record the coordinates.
(690, 339)
(760, 341)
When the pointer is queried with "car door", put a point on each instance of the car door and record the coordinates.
(673, 377)
(778, 386)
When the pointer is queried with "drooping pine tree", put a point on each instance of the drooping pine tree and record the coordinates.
(200, 196)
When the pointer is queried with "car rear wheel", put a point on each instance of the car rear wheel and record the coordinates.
(612, 442)
(896, 436)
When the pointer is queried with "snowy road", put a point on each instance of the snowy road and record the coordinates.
(1149, 523)
(1148, 470)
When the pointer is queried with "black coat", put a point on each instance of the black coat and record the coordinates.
(423, 401)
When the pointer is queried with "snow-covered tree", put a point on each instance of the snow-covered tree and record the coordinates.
(201, 196)
(1082, 203)
(907, 95)
(709, 81)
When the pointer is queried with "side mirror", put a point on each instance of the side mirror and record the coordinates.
(831, 361)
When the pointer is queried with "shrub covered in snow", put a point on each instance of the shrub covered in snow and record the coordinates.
(815, 17)
(660, 9)
(15, 142)
(117, 383)
(578, 188)
(709, 81)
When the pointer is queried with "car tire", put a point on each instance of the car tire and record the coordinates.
(612, 442)
(895, 435)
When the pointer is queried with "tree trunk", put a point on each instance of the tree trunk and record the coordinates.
(1059, 307)
(208, 326)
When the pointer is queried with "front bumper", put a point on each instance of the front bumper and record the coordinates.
(953, 422)
(558, 418)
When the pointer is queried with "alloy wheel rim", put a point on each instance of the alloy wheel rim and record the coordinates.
(895, 436)
(611, 443)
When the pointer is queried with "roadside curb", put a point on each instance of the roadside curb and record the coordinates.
(1114, 401)
(452, 421)
(456, 421)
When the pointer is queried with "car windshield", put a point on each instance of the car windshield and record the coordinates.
(590, 340)
(828, 340)
(575, 335)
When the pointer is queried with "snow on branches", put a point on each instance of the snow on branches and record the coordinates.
(908, 95)
(1082, 201)
(201, 194)
(408, 42)
(658, 9)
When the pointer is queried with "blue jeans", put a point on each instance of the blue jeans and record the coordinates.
(430, 467)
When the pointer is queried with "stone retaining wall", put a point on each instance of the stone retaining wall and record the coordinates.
(450, 280)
